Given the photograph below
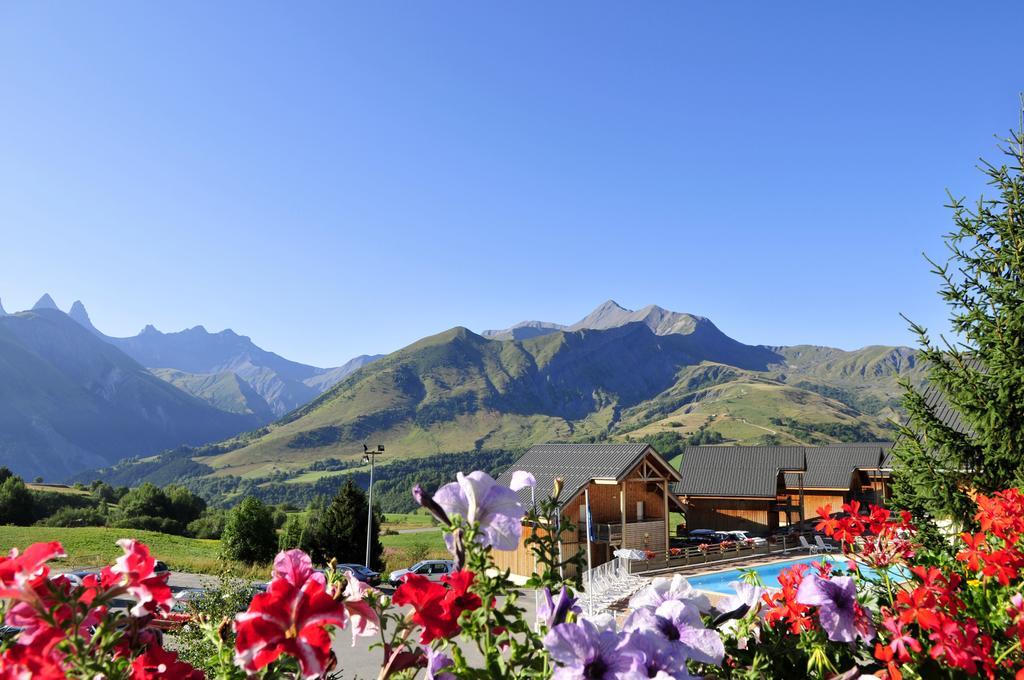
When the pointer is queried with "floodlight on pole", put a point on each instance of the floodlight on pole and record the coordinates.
(368, 455)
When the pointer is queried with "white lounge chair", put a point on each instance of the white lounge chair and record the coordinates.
(822, 545)
(813, 549)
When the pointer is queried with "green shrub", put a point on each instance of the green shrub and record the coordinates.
(15, 502)
(210, 525)
(75, 517)
(249, 533)
(150, 523)
(218, 602)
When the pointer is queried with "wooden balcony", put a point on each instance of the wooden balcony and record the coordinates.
(645, 535)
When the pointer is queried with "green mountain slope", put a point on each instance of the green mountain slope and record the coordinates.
(225, 391)
(458, 391)
(69, 401)
(638, 374)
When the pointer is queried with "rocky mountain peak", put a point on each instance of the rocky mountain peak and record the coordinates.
(79, 314)
(46, 302)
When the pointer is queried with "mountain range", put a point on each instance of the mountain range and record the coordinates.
(201, 362)
(609, 315)
(72, 397)
(615, 375)
(69, 401)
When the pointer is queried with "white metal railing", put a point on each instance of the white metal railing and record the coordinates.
(608, 583)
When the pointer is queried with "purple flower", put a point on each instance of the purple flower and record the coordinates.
(476, 497)
(680, 623)
(583, 652)
(522, 479)
(838, 612)
(552, 612)
(430, 505)
(664, 589)
(660, 658)
(747, 595)
(732, 607)
(437, 662)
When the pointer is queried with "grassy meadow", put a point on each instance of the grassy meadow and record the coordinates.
(97, 547)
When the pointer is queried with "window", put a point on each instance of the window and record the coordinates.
(440, 568)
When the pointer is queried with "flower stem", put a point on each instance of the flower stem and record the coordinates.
(999, 659)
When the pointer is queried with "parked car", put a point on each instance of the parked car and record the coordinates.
(705, 536)
(75, 577)
(740, 536)
(368, 576)
(184, 596)
(432, 569)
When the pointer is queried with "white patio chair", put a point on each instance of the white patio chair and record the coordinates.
(813, 549)
(822, 545)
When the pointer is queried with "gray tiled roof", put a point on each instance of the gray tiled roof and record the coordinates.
(947, 415)
(830, 467)
(743, 471)
(576, 464)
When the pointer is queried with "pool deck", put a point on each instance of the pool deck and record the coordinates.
(719, 567)
(744, 563)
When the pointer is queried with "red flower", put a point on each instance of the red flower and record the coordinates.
(901, 643)
(437, 606)
(133, 571)
(918, 606)
(20, 572)
(157, 663)
(828, 524)
(782, 605)
(1002, 514)
(878, 520)
(290, 618)
(886, 656)
(1004, 564)
(22, 662)
(975, 550)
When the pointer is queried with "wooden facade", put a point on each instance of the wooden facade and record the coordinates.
(732, 514)
(866, 486)
(629, 512)
(762, 489)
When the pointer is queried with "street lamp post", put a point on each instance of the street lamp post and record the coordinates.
(368, 455)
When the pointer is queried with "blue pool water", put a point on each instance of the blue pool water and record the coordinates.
(769, 573)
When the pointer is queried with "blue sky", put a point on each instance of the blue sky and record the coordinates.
(340, 179)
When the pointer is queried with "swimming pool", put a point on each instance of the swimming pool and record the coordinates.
(719, 582)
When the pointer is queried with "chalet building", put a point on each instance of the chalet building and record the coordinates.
(762, 488)
(630, 498)
(738, 487)
(842, 473)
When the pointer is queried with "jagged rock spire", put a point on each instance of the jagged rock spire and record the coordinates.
(79, 314)
(46, 302)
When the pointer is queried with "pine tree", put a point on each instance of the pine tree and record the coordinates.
(941, 460)
(339, 530)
